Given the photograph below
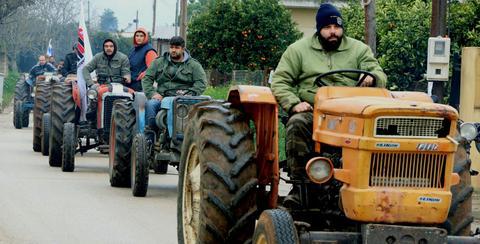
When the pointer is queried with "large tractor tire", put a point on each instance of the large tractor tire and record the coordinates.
(140, 167)
(18, 114)
(460, 214)
(218, 177)
(43, 92)
(69, 147)
(45, 133)
(121, 134)
(275, 226)
(21, 94)
(62, 111)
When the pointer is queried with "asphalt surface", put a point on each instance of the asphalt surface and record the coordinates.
(41, 204)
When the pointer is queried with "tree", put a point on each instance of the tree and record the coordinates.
(108, 21)
(9, 7)
(248, 34)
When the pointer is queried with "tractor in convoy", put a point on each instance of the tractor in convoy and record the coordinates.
(135, 148)
(389, 167)
(23, 101)
(68, 135)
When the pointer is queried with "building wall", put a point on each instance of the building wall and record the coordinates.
(305, 19)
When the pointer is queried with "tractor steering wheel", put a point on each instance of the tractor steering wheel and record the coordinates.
(175, 92)
(320, 82)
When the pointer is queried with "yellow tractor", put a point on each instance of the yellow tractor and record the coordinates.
(390, 167)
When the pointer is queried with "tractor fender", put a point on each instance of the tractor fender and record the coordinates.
(260, 105)
(167, 104)
(76, 94)
(139, 103)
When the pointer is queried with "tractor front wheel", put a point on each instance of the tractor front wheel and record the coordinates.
(275, 226)
(120, 145)
(18, 114)
(69, 146)
(140, 167)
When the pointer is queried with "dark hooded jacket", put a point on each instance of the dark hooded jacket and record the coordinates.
(70, 64)
(109, 68)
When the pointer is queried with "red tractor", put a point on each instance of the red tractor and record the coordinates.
(68, 136)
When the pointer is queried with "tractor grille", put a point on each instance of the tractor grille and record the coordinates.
(411, 127)
(107, 112)
(424, 170)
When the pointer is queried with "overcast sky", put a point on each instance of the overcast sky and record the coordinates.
(125, 11)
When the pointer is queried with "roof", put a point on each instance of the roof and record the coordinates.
(310, 4)
(165, 32)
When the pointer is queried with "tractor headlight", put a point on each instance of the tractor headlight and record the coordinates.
(319, 169)
(92, 94)
(468, 131)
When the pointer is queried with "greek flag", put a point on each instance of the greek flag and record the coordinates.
(50, 49)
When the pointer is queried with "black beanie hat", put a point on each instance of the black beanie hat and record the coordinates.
(327, 14)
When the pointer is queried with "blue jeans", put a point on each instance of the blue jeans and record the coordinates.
(151, 109)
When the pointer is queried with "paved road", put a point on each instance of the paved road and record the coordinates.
(41, 204)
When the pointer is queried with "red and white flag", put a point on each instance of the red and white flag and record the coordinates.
(85, 55)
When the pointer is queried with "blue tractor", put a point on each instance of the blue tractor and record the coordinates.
(135, 149)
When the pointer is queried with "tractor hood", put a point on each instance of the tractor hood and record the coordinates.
(368, 102)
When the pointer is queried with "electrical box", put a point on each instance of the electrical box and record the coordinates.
(438, 58)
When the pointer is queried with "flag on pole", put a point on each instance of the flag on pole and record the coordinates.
(49, 48)
(85, 55)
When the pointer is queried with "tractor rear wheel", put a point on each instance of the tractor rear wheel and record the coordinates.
(62, 111)
(18, 114)
(69, 147)
(41, 106)
(45, 133)
(140, 167)
(121, 133)
(460, 214)
(218, 177)
(161, 167)
(275, 226)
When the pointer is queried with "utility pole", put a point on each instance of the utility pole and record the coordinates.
(438, 28)
(154, 17)
(370, 25)
(176, 19)
(183, 19)
(136, 21)
(88, 14)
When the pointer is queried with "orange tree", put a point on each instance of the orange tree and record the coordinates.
(248, 34)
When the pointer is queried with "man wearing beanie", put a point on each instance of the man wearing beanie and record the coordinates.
(294, 88)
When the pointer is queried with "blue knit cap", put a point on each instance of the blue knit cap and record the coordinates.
(327, 14)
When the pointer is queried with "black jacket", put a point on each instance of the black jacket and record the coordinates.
(70, 65)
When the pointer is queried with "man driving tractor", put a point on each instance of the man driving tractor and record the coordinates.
(294, 88)
(175, 70)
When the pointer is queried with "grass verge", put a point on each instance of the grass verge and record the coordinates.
(9, 88)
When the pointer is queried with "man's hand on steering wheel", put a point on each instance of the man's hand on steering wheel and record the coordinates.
(367, 81)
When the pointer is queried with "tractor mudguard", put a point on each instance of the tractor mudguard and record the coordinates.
(139, 105)
(76, 94)
(260, 105)
(167, 103)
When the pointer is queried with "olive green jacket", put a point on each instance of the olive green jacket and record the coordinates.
(117, 67)
(304, 60)
(189, 75)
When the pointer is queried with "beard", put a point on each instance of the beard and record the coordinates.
(330, 43)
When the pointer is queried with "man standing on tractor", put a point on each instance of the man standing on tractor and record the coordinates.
(294, 87)
(41, 67)
(70, 64)
(141, 56)
(174, 70)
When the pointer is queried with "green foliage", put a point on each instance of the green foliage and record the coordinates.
(464, 24)
(254, 35)
(403, 28)
(9, 87)
(108, 21)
